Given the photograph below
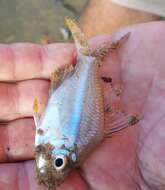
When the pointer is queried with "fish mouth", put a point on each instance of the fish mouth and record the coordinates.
(45, 171)
(50, 178)
(46, 177)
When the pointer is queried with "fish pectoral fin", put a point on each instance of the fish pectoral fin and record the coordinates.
(121, 121)
(101, 52)
(36, 114)
(59, 75)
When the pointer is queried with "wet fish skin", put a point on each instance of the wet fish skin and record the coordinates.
(73, 122)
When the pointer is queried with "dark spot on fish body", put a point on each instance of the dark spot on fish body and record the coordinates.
(44, 149)
(118, 92)
(62, 146)
(107, 79)
(133, 120)
(108, 109)
(8, 148)
(40, 131)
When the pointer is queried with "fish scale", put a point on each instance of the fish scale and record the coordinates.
(92, 122)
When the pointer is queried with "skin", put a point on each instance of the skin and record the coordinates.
(113, 15)
(122, 162)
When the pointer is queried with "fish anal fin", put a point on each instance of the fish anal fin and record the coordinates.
(79, 37)
(59, 75)
(120, 121)
(101, 52)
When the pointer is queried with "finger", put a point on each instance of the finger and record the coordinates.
(22, 176)
(17, 140)
(22, 61)
(16, 99)
(19, 176)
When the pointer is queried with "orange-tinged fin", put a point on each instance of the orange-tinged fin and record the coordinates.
(59, 75)
(36, 111)
(121, 41)
(101, 52)
(120, 121)
(36, 105)
(79, 37)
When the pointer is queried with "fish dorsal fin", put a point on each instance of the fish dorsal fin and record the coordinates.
(78, 36)
(59, 75)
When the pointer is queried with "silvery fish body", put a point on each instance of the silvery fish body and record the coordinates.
(73, 121)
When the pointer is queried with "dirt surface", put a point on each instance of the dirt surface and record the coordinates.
(33, 21)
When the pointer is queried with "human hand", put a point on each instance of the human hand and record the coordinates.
(121, 16)
(121, 162)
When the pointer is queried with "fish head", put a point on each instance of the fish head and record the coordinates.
(54, 164)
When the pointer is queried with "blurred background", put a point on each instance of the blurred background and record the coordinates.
(42, 21)
(35, 20)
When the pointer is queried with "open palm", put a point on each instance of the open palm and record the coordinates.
(131, 159)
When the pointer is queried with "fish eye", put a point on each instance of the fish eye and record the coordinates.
(60, 162)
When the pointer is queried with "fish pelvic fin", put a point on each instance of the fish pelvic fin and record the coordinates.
(59, 75)
(36, 105)
(79, 37)
(36, 114)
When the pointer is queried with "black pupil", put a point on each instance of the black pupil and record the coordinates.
(59, 162)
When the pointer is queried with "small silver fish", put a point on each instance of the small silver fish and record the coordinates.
(73, 122)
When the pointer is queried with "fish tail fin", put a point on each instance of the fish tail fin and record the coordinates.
(78, 36)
